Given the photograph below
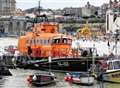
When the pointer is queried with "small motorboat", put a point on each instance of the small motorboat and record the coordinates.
(79, 78)
(41, 79)
(111, 72)
(4, 71)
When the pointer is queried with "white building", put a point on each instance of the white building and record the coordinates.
(112, 21)
(88, 10)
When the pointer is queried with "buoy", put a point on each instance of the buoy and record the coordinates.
(70, 79)
(34, 77)
(66, 78)
(29, 79)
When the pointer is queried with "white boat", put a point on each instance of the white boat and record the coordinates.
(80, 78)
(112, 73)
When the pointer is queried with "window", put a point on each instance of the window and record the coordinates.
(43, 29)
(69, 41)
(64, 40)
(116, 65)
(37, 41)
(41, 41)
(28, 41)
(34, 41)
(110, 65)
(56, 41)
(44, 41)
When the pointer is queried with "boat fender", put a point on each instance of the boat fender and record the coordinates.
(52, 74)
(70, 79)
(34, 77)
(29, 79)
(66, 78)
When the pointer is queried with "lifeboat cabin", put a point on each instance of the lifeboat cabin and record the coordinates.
(44, 40)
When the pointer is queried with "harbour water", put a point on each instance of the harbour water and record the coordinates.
(18, 80)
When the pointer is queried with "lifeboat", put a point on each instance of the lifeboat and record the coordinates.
(44, 41)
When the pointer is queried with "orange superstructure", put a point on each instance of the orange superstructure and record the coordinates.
(45, 40)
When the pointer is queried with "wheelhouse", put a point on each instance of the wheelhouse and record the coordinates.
(113, 65)
(62, 40)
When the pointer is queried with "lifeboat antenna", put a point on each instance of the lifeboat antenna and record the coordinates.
(39, 9)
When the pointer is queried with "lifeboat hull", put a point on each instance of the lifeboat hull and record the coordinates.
(59, 64)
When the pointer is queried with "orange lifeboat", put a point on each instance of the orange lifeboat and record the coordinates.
(45, 40)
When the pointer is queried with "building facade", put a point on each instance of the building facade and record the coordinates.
(13, 26)
(73, 11)
(7, 7)
(89, 10)
(112, 21)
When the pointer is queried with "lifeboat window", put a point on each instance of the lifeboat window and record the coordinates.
(56, 41)
(34, 41)
(48, 41)
(37, 41)
(30, 41)
(52, 31)
(43, 29)
(64, 40)
(44, 41)
(40, 41)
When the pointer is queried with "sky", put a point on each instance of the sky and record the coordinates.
(56, 4)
